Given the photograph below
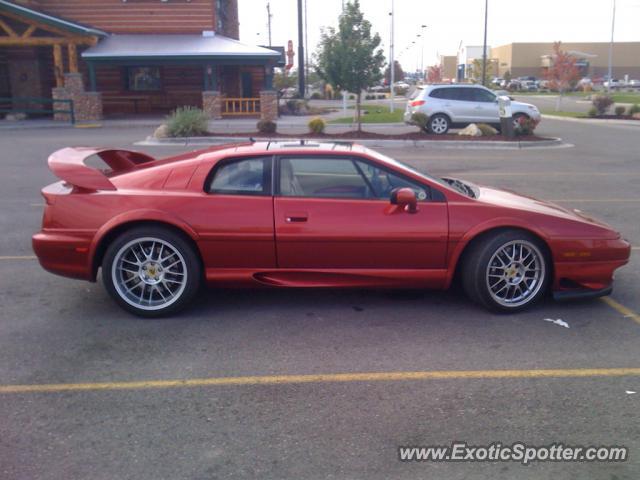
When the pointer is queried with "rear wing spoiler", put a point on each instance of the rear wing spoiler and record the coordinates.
(68, 165)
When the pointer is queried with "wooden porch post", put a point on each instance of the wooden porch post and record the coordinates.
(58, 65)
(73, 57)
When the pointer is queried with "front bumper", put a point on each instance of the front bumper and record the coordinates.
(65, 254)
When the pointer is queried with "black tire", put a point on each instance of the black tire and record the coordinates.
(172, 282)
(479, 277)
(439, 124)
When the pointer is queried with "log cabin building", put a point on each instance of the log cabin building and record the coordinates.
(125, 57)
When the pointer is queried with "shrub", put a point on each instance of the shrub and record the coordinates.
(488, 130)
(619, 110)
(602, 103)
(266, 126)
(316, 125)
(316, 96)
(421, 120)
(187, 122)
(525, 126)
(593, 112)
(633, 109)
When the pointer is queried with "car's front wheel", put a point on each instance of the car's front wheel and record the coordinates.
(151, 271)
(439, 124)
(507, 271)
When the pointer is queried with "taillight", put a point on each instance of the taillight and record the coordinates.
(417, 103)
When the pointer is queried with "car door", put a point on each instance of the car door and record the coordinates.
(485, 106)
(458, 101)
(333, 213)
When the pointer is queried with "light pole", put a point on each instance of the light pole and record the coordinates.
(484, 45)
(613, 23)
(392, 63)
(301, 86)
(422, 27)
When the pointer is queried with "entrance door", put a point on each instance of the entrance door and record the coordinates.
(247, 86)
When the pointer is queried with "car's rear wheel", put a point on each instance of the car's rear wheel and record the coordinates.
(439, 124)
(151, 271)
(507, 271)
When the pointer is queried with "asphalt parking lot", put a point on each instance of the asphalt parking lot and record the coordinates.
(318, 384)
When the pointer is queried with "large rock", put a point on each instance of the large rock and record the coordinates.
(471, 130)
(162, 131)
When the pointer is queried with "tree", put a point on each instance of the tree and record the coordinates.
(563, 72)
(476, 71)
(434, 74)
(349, 58)
(398, 73)
(507, 76)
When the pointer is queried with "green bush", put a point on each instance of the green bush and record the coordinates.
(316, 96)
(619, 110)
(266, 126)
(421, 120)
(602, 103)
(633, 109)
(593, 112)
(316, 125)
(187, 122)
(487, 130)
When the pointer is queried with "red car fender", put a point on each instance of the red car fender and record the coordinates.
(146, 215)
(498, 222)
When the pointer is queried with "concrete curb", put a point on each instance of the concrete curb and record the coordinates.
(435, 144)
(595, 121)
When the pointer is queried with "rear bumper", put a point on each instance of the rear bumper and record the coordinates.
(65, 254)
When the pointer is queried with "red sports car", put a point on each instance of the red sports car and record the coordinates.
(301, 214)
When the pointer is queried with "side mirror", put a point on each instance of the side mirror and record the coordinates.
(404, 198)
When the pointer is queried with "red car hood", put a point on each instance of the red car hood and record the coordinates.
(509, 199)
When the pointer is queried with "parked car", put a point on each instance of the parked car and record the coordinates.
(614, 83)
(497, 81)
(634, 83)
(452, 106)
(297, 214)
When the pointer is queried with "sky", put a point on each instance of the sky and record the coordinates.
(449, 23)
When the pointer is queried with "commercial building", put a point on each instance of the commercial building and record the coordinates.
(523, 59)
(132, 56)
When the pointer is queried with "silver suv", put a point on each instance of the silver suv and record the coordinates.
(455, 106)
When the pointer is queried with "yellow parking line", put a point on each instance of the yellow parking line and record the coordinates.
(18, 257)
(625, 311)
(323, 378)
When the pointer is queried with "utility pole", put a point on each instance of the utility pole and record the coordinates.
(484, 45)
(613, 23)
(269, 21)
(392, 63)
(306, 47)
(300, 52)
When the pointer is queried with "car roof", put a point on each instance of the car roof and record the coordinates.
(280, 146)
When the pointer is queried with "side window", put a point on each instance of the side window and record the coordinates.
(382, 182)
(437, 93)
(452, 94)
(321, 177)
(481, 95)
(249, 176)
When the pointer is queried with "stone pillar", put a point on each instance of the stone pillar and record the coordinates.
(212, 104)
(269, 105)
(87, 105)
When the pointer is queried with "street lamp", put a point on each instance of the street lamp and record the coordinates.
(392, 64)
(484, 45)
(613, 23)
(422, 27)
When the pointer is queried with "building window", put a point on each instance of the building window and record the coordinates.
(144, 79)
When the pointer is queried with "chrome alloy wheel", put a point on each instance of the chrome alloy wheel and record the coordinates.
(149, 273)
(515, 273)
(439, 125)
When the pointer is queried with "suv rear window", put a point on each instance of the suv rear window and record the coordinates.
(446, 93)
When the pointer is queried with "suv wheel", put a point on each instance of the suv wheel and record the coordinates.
(439, 124)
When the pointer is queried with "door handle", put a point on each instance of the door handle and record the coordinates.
(296, 217)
